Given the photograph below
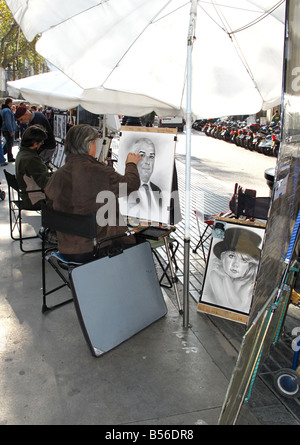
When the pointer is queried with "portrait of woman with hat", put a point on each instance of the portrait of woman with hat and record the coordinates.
(231, 275)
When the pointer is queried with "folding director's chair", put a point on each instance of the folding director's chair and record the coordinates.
(16, 212)
(79, 225)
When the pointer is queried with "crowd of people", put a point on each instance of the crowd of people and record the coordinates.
(14, 119)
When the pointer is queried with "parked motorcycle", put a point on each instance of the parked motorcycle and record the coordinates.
(248, 140)
(240, 139)
(268, 135)
(266, 145)
(275, 145)
(263, 139)
(199, 124)
(226, 132)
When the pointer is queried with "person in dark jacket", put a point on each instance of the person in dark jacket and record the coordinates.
(8, 128)
(3, 162)
(31, 171)
(25, 116)
(83, 185)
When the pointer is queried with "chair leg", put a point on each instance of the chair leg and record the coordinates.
(16, 206)
(15, 220)
(46, 308)
(14, 216)
(45, 293)
(163, 267)
(174, 253)
(171, 259)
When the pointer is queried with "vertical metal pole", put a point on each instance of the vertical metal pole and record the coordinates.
(193, 15)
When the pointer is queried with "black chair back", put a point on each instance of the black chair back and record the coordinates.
(74, 224)
(11, 181)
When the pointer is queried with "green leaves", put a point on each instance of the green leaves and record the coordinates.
(16, 53)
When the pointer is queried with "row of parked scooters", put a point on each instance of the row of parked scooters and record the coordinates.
(261, 138)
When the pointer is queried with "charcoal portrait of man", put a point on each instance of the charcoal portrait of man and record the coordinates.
(151, 201)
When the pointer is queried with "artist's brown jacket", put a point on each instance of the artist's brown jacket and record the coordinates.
(75, 187)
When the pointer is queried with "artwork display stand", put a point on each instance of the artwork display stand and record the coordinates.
(231, 268)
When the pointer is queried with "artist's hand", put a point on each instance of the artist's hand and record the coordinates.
(132, 157)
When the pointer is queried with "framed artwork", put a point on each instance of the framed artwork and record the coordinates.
(59, 157)
(231, 268)
(60, 124)
(157, 149)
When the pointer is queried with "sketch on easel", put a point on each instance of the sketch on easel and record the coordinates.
(157, 149)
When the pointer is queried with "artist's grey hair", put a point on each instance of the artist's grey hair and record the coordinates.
(79, 138)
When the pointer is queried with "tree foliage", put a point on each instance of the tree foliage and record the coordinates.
(16, 53)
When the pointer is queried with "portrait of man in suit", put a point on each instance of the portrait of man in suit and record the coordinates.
(149, 194)
(151, 201)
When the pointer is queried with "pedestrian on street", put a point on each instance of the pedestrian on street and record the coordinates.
(2, 158)
(276, 117)
(8, 128)
(25, 116)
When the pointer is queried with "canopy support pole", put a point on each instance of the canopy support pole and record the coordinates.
(191, 33)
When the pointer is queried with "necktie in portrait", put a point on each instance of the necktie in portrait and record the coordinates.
(146, 187)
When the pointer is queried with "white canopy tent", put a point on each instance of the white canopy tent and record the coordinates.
(209, 57)
(140, 47)
(55, 89)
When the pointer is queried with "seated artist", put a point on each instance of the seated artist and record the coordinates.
(75, 188)
(31, 171)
